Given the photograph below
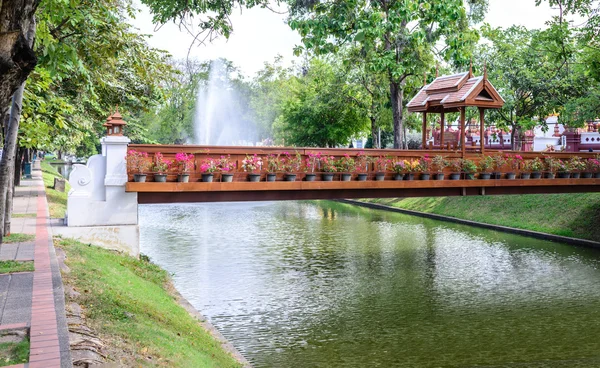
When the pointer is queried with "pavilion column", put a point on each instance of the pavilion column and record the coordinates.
(424, 130)
(462, 130)
(442, 118)
(481, 127)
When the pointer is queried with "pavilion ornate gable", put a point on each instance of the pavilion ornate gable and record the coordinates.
(454, 93)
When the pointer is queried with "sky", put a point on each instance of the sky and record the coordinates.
(260, 35)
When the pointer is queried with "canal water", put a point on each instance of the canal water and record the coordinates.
(325, 284)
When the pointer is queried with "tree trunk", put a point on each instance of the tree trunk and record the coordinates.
(10, 192)
(17, 58)
(7, 164)
(374, 132)
(397, 96)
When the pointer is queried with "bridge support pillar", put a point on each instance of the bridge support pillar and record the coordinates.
(99, 211)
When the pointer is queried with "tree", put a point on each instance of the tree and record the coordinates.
(399, 36)
(320, 110)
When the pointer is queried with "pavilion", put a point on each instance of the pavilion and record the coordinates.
(454, 93)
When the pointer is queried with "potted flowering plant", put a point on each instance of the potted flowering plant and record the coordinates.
(382, 165)
(291, 164)
(328, 167)
(551, 165)
(469, 167)
(486, 165)
(411, 167)
(310, 163)
(399, 168)
(273, 166)
(577, 167)
(252, 165)
(425, 167)
(563, 169)
(208, 167)
(137, 163)
(227, 168)
(536, 166)
(185, 164)
(514, 163)
(160, 166)
(499, 161)
(361, 165)
(439, 163)
(593, 165)
(346, 165)
(455, 168)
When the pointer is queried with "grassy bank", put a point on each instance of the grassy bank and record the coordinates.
(57, 201)
(130, 304)
(574, 215)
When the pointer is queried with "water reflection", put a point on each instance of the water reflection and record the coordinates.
(321, 284)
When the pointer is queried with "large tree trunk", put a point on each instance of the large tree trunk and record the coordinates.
(397, 96)
(374, 132)
(7, 164)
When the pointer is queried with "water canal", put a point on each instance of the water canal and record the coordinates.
(324, 284)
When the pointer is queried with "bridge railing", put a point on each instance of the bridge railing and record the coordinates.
(237, 154)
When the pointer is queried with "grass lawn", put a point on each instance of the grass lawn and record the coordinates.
(20, 215)
(15, 266)
(18, 238)
(14, 353)
(57, 201)
(129, 303)
(574, 214)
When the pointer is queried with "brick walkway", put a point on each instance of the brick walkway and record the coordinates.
(35, 299)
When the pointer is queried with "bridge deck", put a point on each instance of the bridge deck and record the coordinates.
(170, 192)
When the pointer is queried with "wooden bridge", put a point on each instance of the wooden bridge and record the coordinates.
(241, 189)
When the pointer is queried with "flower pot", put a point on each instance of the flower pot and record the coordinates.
(550, 175)
(496, 175)
(271, 177)
(399, 176)
(439, 176)
(380, 176)
(576, 175)
(511, 175)
(327, 176)
(160, 178)
(310, 177)
(425, 176)
(525, 175)
(409, 176)
(484, 176)
(346, 176)
(141, 178)
(469, 176)
(207, 177)
(586, 175)
(564, 175)
(361, 177)
(183, 178)
(454, 176)
(290, 177)
(597, 175)
(536, 175)
(226, 178)
(254, 177)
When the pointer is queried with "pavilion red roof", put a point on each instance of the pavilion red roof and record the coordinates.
(448, 93)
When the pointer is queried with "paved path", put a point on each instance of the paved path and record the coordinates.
(35, 299)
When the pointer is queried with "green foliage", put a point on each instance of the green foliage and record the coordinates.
(320, 110)
(89, 61)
